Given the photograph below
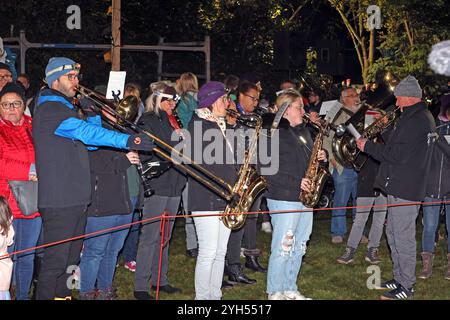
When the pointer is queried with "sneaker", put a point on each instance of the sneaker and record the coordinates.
(90, 295)
(295, 295)
(348, 256)
(192, 253)
(130, 265)
(337, 239)
(399, 293)
(372, 255)
(388, 285)
(266, 227)
(142, 295)
(107, 294)
(277, 296)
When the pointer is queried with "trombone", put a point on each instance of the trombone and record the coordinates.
(126, 108)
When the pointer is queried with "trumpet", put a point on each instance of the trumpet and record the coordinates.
(248, 120)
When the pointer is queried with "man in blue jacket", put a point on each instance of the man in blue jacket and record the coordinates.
(62, 165)
(404, 164)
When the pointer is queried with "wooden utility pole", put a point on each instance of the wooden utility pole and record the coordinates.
(115, 29)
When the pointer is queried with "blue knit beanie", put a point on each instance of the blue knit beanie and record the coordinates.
(57, 67)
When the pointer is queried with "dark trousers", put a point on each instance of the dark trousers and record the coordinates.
(148, 254)
(401, 236)
(246, 235)
(60, 224)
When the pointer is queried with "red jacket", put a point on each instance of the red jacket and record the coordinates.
(16, 157)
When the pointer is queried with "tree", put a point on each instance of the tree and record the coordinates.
(354, 16)
(410, 28)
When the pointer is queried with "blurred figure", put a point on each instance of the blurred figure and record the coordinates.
(6, 240)
(438, 189)
(5, 75)
(187, 88)
(133, 89)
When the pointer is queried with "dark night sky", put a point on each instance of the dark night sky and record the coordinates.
(49, 25)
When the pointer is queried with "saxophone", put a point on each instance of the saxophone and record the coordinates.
(249, 184)
(316, 173)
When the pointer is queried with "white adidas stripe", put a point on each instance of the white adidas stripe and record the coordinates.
(401, 295)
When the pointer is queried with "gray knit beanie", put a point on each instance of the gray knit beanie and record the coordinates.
(408, 87)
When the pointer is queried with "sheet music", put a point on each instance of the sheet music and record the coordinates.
(353, 131)
(116, 83)
(327, 106)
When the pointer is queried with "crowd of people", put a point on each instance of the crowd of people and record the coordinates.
(89, 175)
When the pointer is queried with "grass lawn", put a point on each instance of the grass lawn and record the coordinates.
(321, 277)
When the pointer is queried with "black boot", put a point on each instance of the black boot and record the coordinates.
(237, 275)
(252, 263)
(226, 284)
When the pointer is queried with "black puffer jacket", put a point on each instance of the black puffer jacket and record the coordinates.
(405, 158)
(172, 181)
(200, 197)
(438, 185)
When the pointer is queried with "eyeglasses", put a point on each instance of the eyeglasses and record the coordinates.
(72, 76)
(253, 98)
(6, 77)
(11, 105)
(352, 96)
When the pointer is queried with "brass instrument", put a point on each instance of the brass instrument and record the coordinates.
(249, 184)
(344, 146)
(240, 196)
(316, 173)
(373, 130)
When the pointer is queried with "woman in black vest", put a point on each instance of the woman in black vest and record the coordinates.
(158, 120)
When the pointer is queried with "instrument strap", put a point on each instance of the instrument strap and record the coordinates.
(278, 116)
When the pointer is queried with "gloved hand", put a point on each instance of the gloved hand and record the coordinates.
(88, 107)
(140, 142)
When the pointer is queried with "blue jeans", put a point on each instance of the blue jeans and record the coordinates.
(290, 234)
(130, 247)
(431, 222)
(99, 258)
(27, 234)
(345, 185)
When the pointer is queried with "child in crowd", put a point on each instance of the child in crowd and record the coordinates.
(6, 239)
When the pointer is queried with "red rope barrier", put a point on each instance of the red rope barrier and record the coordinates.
(161, 249)
(163, 216)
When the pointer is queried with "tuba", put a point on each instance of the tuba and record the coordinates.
(316, 173)
(249, 184)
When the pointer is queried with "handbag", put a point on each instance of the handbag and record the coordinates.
(26, 194)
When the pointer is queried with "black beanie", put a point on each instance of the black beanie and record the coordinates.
(15, 88)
